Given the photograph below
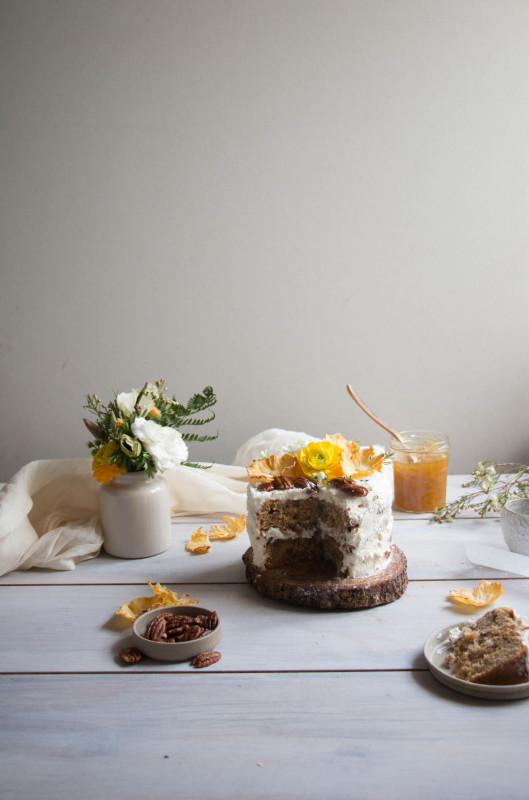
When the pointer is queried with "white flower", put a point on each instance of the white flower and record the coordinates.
(165, 445)
(293, 447)
(127, 400)
(495, 502)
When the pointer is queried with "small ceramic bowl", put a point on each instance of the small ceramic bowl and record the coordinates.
(515, 525)
(173, 651)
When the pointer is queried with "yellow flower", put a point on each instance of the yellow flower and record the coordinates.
(103, 471)
(320, 457)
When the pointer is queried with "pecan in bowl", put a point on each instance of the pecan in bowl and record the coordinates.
(178, 633)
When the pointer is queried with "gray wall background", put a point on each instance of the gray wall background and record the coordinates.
(275, 197)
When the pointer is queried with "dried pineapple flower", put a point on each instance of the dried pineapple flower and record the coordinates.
(481, 595)
(162, 597)
(268, 468)
(199, 542)
(233, 527)
(361, 463)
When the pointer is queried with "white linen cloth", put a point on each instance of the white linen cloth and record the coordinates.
(49, 510)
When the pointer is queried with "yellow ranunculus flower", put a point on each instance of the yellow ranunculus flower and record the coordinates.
(320, 457)
(103, 471)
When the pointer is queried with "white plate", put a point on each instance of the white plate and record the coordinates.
(435, 651)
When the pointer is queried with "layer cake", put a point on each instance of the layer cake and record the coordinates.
(320, 526)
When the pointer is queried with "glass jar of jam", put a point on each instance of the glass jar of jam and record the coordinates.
(420, 467)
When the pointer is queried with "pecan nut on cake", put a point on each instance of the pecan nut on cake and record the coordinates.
(320, 526)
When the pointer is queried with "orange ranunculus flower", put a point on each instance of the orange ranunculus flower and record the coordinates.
(103, 471)
(320, 457)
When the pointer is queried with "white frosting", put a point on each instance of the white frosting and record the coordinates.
(366, 549)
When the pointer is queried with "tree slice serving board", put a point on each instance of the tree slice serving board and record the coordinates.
(311, 586)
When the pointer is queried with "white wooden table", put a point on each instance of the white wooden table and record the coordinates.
(303, 703)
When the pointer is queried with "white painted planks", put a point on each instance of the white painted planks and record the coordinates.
(434, 552)
(233, 737)
(74, 629)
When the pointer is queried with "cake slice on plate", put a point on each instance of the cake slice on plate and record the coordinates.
(492, 650)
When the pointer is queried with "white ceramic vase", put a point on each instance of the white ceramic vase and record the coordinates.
(135, 515)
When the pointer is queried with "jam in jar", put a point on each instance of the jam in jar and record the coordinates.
(420, 467)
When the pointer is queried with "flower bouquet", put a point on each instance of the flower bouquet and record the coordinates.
(138, 431)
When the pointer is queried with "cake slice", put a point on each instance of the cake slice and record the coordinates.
(492, 650)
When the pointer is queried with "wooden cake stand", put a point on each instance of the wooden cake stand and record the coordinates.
(317, 588)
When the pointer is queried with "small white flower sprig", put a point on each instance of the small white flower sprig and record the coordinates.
(497, 483)
(138, 430)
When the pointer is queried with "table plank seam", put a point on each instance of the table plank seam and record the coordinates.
(230, 583)
(128, 671)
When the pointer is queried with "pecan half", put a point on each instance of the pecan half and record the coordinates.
(130, 655)
(304, 483)
(266, 486)
(348, 486)
(206, 659)
(176, 624)
(173, 632)
(181, 619)
(282, 482)
(213, 620)
(189, 633)
(156, 629)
